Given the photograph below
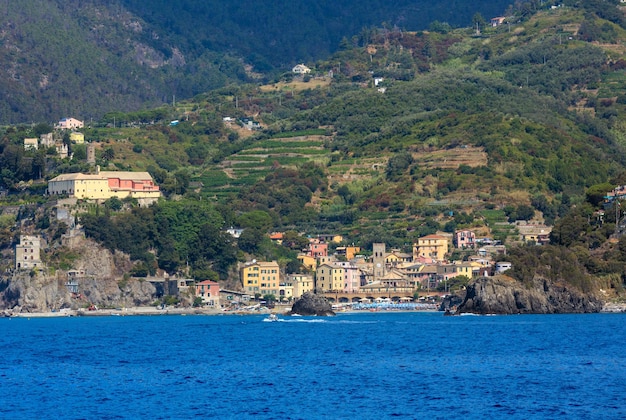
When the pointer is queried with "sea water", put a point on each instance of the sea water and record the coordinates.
(353, 366)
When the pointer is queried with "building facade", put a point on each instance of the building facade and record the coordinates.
(27, 252)
(261, 277)
(70, 124)
(209, 291)
(329, 277)
(104, 185)
(433, 247)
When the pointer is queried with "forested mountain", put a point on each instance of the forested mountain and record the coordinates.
(87, 57)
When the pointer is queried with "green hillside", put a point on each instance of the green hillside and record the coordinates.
(411, 133)
(85, 58)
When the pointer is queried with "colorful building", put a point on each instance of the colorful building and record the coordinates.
(70, 124)
(433, 247)
(465, 239)
(329, 277)
(317, 248)
(261, 277)
(302, 283)
(104, 185)
(209, 291)
(76, 137)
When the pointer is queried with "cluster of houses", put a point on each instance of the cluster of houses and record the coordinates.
(341, 274)
(55, 139)
(394, 273)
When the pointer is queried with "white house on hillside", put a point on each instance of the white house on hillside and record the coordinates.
(70, 123)
(301, 69)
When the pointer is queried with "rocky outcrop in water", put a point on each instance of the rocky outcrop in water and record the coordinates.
(312, 304)
(504, 295)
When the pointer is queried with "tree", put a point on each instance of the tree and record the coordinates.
(108, 154)
(270, 300)
(114, 204)
(249, 240)
(596, 193)
(478, 21)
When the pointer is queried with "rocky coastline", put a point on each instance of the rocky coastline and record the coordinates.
(503, 295)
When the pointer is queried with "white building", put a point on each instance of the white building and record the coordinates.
(70, 124)
(301, 69)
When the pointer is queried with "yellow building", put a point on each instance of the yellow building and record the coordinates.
(433, 247)
(104, 185)
(307, 261)
(261, 277)
(76, 137)
(329, 277)
(302, 283)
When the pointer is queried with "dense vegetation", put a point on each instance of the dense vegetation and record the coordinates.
(415, 132)
(84, 58)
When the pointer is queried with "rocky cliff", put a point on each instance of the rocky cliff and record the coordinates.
(505, 295)
(98, 275)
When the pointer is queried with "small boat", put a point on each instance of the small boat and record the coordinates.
(271, 318)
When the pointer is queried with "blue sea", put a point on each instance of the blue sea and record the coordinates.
(353, 366)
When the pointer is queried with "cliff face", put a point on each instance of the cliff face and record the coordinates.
(101, 282)
(504, 295)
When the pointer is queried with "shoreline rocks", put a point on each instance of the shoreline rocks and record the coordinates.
(312, 304)
(504, 295)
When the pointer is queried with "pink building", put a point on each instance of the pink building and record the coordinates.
(130, 181)
(318, 248)
(352, 276)
(465, 239)
(209, 291)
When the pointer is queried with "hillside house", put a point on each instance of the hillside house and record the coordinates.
(497, 21)
(277, 237)
(317, 248)
(70, 124)
(350, 252)
(27, 252)
(503, 266)
(31, 144)
(77, 138)
(301, 69)
(46, 140)
(106, 184)
(539, 234)
(431, 246)
(465, 239)
(234, 232)
(307, 261)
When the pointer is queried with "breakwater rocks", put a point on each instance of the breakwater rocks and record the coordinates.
(504, 295)
(312, 304)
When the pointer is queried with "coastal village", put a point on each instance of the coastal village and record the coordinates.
(345, 274)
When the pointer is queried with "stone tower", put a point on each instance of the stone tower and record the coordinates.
(91, 153)
(378, 258)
